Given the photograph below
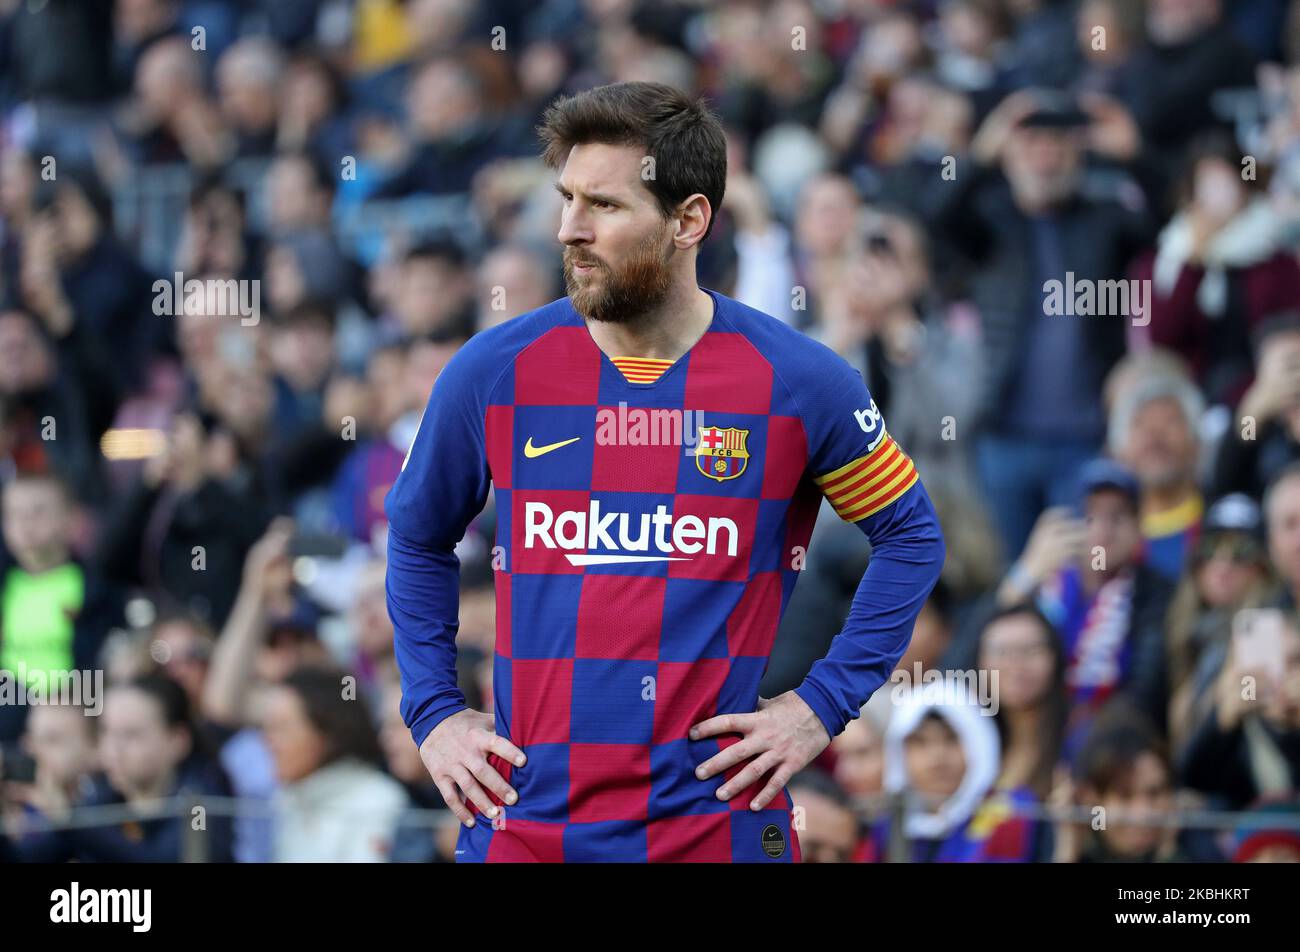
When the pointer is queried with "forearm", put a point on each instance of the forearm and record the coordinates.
(906, 560)
(1017, 586)
(234, 656)
(423, 588)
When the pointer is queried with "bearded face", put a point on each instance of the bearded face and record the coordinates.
(622, 292)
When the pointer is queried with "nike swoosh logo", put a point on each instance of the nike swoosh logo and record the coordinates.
(532, 452)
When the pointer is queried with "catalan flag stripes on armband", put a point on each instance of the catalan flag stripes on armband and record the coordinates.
(869, 483)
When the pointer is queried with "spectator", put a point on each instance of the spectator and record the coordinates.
(87, 289)
(882, 319)
(512, 280)
(1248, 743)
(830, 833)
(60, 739)
(1153, 431)
(452, 134)
(826, 219)
(415, 840)
(269, 634)
(312, 103)
(1020, 648)
(300, 194)
(1040, 373)
(1264, 440)
(248, 83)
(335, 804)
(1124, 772)
(36, 393)
(182, 515)
(171, 117)
(942, 759)
(302, 356)
(1188, 56)
(149, 750)
(860, 761)
(1228, 571)
(55, 610)
(1085, 573)
(1282, 517)
(182, 647)
(1109, 33)
(137, 25)
(433, 294)
(1220, 255)
(215, 238)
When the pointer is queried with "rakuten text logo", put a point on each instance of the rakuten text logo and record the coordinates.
(678, 539)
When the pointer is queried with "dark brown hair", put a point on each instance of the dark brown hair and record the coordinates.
(678, 130)
(1119, 735)
(1056, 706)
(344, 723)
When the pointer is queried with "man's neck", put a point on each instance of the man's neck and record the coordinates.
(665, 333)
(44, 562)
(1158, 499)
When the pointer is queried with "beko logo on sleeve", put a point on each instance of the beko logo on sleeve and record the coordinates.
(871, 423)
(77, 905)
(869, 418)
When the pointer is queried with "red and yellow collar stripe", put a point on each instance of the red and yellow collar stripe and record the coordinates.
(641, 369)
(869, 483)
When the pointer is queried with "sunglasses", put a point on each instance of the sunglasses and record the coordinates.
(1238, 550)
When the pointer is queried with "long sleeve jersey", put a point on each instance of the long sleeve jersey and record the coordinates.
(650, 530)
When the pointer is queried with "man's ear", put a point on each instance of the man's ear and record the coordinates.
(693, 217)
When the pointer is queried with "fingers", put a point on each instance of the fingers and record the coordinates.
(751, 775)
(470, 787)
(451, 796)
(505, 750)
(487, 775)
(726, 759)
(722, 724)
(774, 787)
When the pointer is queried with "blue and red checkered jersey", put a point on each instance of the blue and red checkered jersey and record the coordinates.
(651, 526)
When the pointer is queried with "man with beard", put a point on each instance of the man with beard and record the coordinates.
(1023, 218)
(640, 580)
(1153, 431)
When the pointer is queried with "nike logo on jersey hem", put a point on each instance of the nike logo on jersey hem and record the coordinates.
(532, 452)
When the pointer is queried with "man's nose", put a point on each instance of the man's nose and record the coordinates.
(575, 228)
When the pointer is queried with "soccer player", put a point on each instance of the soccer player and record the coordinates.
(642, 571)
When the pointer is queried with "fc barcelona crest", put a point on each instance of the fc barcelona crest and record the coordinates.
(720, 452)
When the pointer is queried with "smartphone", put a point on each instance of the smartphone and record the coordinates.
(320, 545)
(1259, 641)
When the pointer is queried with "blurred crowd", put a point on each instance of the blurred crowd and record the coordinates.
(193, 502)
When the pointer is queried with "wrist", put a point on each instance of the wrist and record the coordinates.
(1021, 579)
(821, 706)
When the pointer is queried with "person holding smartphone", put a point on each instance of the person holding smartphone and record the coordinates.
(1248, 744)
(1084, 569)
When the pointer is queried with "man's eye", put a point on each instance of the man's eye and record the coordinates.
(600, 204)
